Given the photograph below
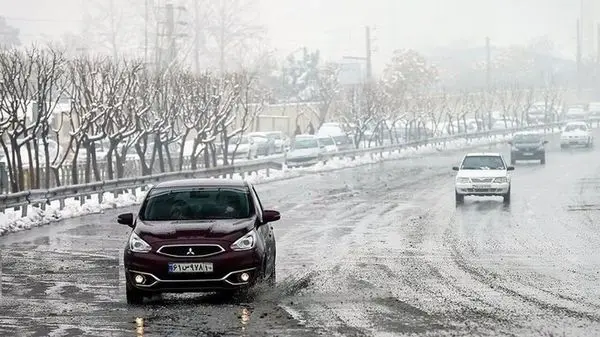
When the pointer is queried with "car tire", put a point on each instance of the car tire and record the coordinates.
(506, 196)
(134, 296)
(459, 198)
(563, 146)
(513, 161)
(543, 160)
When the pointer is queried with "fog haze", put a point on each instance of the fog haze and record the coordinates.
(336, 27)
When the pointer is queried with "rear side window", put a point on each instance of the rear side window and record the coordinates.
(168, 204)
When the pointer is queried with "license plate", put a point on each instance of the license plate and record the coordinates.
(482, 187)
(528, 154)
(204, 267)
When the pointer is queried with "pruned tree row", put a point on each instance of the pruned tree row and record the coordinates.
(63, 121)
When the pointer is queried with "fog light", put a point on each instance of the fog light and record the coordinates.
(139, 279)
(244, 277)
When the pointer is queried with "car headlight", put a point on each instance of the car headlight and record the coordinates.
(500, 180)
(246, 242)
(137, 245)
(463, 180)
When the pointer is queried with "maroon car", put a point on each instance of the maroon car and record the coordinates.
(199, 235)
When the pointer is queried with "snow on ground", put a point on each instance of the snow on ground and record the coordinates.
(11, 220)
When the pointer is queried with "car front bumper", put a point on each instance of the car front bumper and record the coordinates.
(227, 269)
(482, 189)
(575, 141)
(527, 154)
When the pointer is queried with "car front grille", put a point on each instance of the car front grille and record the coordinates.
(482, 180)
(188, 251)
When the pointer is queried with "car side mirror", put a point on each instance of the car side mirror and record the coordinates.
(270, 216)
(125, 219)
(510, 168)
(545, 142)
(455, 168)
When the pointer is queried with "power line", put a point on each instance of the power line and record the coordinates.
(39, 20)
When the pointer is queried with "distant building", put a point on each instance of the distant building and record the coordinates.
(590, 12)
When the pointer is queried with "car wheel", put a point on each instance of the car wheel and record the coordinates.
(543, 160)
(507, 196)
(512, 161)
(459, 198)
(563, 146)
(134, 296)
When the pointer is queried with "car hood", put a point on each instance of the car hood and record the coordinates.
(229, 229)
(481, 173)
(303, 153)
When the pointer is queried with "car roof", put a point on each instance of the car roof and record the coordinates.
(483, 154)
(203, 182)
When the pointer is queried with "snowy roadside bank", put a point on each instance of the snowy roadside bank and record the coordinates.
(11, 220)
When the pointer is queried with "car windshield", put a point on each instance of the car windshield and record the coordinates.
(326, 141)
(172, 204)
(483, 163)
(527, 139)
(307, 143)
(575, 127)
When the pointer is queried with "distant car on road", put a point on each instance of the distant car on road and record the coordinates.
(576, 134)
(199, 235)
(482, 174)
(528, 146)
(279, 140)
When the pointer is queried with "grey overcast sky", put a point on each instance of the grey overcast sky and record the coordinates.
(337, 26)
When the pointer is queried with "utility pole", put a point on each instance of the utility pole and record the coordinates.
(578, 58)
(196, 36)
(368, 54)
(170, 33)
(146, 19)
(488, 64)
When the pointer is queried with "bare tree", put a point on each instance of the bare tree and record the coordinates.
(51, 82)
(16, 78)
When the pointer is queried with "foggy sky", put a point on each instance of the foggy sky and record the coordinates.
(336, 27)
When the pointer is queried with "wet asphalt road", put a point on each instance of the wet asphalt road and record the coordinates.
(379, 250)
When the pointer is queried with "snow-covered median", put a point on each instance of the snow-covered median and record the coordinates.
(11, 220)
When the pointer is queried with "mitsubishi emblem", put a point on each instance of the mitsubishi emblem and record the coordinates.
(190, 252)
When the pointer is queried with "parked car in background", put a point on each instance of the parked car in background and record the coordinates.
(264, 145)
(328, 144)
(242, 147)
(594, 112)
(343, 142)
(305, 151)
(279, 139)
(330, 129)
(576, 113)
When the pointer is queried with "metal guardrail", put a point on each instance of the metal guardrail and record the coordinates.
(41, 198)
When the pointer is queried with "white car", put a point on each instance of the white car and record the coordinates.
(243, 146)
(328, 144)
(305, 151)
(482, 174)
(576, 134)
